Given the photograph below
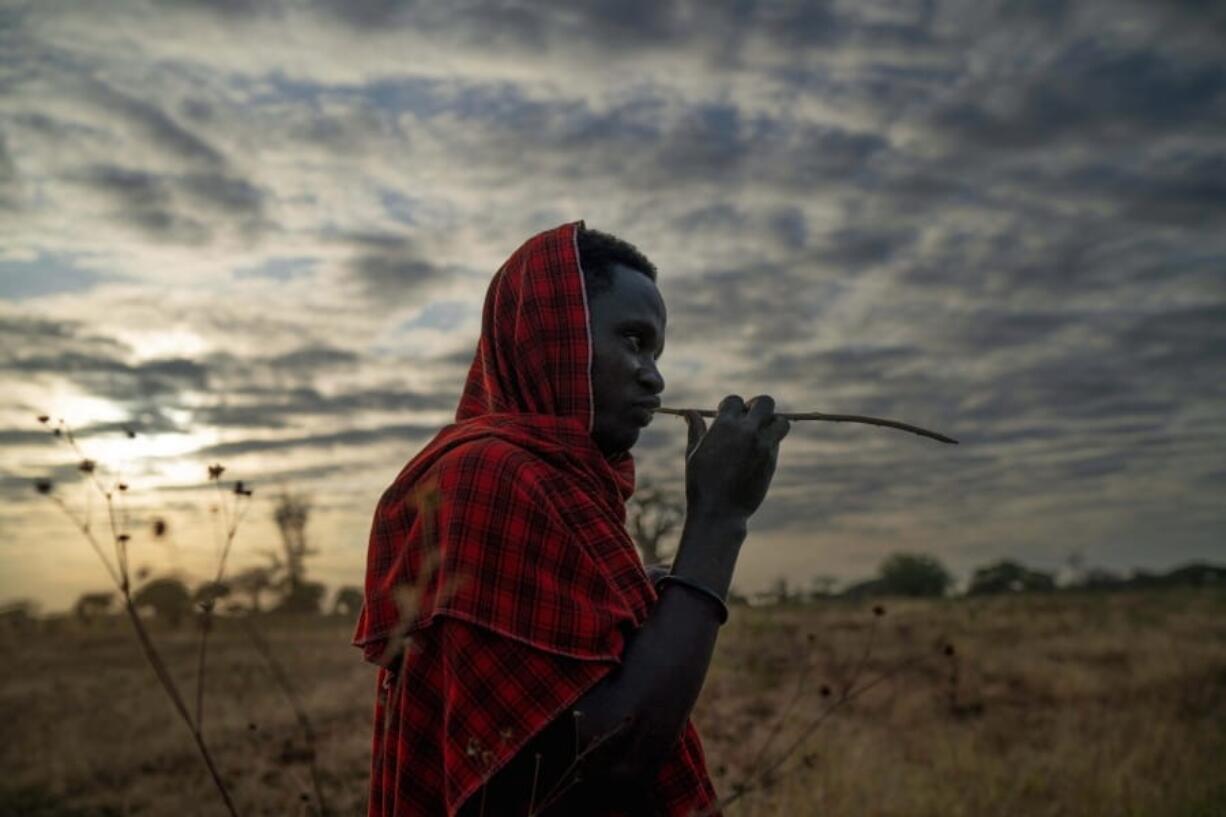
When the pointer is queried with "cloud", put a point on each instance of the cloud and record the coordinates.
(994, 219)
(1091, 90)
(275, 408)
(391, 269)
(108, 377)
(153, 123)
(405, 432)
(8, 176)
(30, 335)
(314, 358)
(185, 209)
(278, 269)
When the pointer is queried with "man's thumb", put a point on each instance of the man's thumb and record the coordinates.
(697, 429)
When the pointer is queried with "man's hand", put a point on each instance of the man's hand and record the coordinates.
(729, 467)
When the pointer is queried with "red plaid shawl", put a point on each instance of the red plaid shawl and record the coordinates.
(529, 525)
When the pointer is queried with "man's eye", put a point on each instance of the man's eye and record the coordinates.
(636, 340)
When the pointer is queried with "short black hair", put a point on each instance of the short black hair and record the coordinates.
(599, 252)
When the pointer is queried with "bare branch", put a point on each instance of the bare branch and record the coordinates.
(836, 418)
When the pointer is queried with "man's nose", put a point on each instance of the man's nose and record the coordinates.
(649, 376)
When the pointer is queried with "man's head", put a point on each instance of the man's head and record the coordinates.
(627, 322)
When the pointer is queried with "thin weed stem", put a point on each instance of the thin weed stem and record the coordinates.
(569, 776)
(163, 675)
(536, 773)
(777, 726)
(769, 773)
(83, 526)
(206, 624)
(120, 576)
(207, 605)
(281, 677)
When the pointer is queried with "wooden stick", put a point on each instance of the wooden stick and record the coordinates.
(837, 418)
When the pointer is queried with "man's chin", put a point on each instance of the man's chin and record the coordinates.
(622, 444)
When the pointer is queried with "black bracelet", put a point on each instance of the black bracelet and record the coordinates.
(690, 583)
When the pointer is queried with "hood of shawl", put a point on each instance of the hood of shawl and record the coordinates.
(533, 365)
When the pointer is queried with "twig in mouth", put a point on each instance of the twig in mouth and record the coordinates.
(837, 418)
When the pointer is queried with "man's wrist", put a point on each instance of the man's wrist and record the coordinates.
(716, 522)
(709, 550)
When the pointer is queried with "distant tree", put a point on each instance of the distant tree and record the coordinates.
(1009, 577)
(167, 596)
(822, 586)
(780, 591)
(348, 601)
(1100, 578)
(1197, 574)
(863, 589)
(652, 514)
(18, 615)
(1074, 568)
(92, 605)
(306, 598)
(291, 513)
(253, 583)
(914, 574)
(210, 592)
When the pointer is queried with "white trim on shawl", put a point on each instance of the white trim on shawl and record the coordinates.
(587, 327)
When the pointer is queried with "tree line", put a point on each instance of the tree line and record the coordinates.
(280, 586)
(920, 575)
(654, 515)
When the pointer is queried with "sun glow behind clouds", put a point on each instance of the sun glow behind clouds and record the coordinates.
(79, 410)
(163, 343)
(157, 459)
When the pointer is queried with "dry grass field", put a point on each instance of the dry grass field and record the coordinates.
(1064, 704)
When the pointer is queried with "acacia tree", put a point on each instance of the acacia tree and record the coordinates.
(253, 582)
(92, 605)
(652, 514)
(291, 513)
(167, 597)
(348, 601)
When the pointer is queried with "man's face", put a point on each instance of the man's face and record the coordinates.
(627, 339)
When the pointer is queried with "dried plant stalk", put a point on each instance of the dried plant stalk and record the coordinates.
(837, 418)
(279, 674)
(232, 518)
(121, 576)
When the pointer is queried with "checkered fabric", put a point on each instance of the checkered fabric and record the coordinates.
(508, 533)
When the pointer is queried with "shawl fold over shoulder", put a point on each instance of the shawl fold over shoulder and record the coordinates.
(499, 556)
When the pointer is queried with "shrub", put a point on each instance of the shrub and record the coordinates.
(913, 574)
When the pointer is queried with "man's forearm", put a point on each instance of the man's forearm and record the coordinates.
(646, 701)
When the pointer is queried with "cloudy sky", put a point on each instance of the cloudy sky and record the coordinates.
(259, 233)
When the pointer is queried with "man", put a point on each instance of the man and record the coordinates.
(533, 668)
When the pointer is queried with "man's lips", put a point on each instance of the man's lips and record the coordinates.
(645, 409)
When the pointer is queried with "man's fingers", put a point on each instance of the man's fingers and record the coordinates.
(732, 404)
(761, 409)
(697, 428)
(777, 429)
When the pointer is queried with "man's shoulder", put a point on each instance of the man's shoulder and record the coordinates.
(490, 458)
(487, 450)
